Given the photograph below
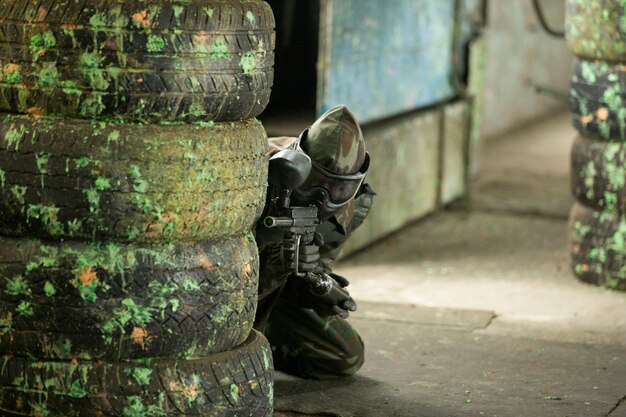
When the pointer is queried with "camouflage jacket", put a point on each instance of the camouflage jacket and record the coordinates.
(335, 231)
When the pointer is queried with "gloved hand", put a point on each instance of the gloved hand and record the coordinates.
(336, 300)
(309, 255)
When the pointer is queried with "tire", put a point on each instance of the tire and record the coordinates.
(594, 29)
(598, 173)
(148, 61)
(598, 99)
(140, 183)
(234, 383)
(597, 246)
(109, 301)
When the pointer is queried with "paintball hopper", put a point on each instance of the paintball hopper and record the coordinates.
(288, 169)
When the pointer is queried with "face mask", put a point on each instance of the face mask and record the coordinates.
(329, 192)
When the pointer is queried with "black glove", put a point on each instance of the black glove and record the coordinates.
(335, 300)
(309, 255)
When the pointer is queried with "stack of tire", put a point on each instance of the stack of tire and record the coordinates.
(131, 172)
(596, 32)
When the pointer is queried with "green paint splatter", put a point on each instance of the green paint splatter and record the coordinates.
(48, 260)
(178, 10)
(48, 215)
(93, 198)
(74, 226)
(49, 75)
(135, 408)
(17, 286)
(219, 49)
(49, 289)
(155, 43)
(82, 162)
(98, 20)
(42, 159)
(249, 62)
(41, 42)
(25, 308)
(102, 184)
(76, 390)
(40, 409)
(196, 110)
(19, 191)
(113, 136)
(70, 88)
(129, 313)
(251, 18)
(234, 392)
(13, 77)
(90, 63)
(3, 178)
(13, 137)
(141, 375)
(208, 11)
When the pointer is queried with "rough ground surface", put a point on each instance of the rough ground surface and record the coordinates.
(474, 311)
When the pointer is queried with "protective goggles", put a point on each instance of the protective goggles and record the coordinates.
(340, 188)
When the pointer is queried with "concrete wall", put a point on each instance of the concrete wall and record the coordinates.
(519, 56)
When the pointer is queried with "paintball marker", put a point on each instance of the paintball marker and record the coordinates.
(288, 169)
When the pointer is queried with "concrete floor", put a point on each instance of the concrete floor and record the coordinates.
(473, 311)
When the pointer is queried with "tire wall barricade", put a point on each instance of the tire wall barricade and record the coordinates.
(597, 227)
(132, 172)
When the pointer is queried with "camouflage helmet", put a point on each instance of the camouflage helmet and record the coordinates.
(339, 162)
(335, 142)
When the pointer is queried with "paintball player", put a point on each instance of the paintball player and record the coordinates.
(308, 332)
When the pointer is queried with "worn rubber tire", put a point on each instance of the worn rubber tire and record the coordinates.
(596, 29)
(598, 99)
(147, 183)
(64, 300)
(234, 383)
(597, 248)
(598, 173)
(147, 61)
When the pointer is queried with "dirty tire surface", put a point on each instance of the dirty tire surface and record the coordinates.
(598, 99)
(238, 382)
(146, 183)
(147, 61)
(597, 246)
(596, 29)
(598, 173)
(102, 300)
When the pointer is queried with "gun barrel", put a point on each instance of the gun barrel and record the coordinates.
(271, 221)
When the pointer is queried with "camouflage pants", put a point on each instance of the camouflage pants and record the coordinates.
(305, 344)
(311, 346)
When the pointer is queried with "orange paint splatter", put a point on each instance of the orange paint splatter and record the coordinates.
(602, 113)
(74, 361)
(190, 391)
(11, 68)
(205, 263)
(202, 38)
(586, 119)
(142, 18)
(41, 14)
(34, 112)
(584, 267)
(68, 26)
(139, 336)
(87, 276)
(248, 269)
